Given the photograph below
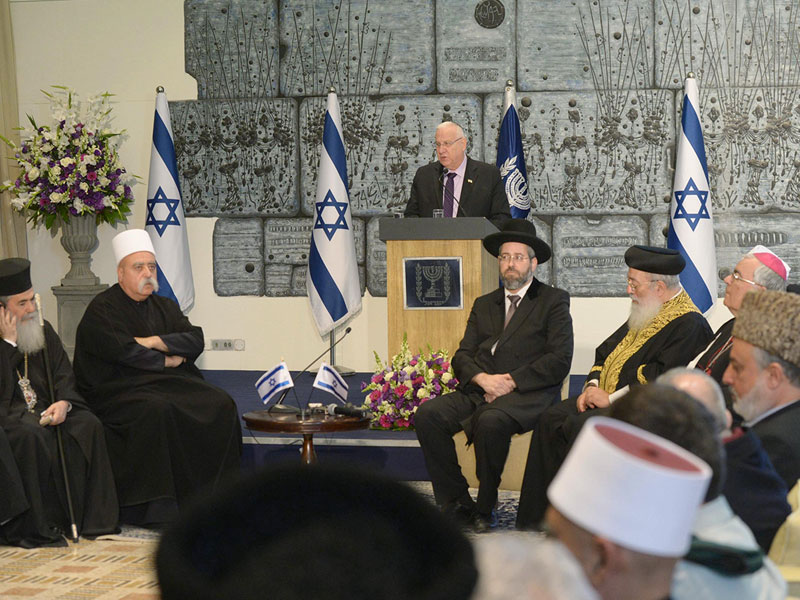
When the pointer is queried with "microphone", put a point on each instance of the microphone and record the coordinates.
(723, 273)
(278, 406)
(348, 410)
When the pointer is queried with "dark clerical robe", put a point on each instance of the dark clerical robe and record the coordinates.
(627, 358)
(36, 452)
(169, 432)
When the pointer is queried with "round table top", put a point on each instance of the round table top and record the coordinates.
(262, 420)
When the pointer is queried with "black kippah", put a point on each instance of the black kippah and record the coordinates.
(652, 259)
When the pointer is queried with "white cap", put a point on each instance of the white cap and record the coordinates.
(771, 260)
(130, 241)
(632, 487)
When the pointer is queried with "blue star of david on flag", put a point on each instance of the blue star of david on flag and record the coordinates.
(171, 218)
(682, 196)
(273, 382)
(341, 221)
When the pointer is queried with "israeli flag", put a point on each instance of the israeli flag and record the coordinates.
(273, 382)
(328, 380)
(691, 227)
(332, 282)
(511, 158)
(165, 221)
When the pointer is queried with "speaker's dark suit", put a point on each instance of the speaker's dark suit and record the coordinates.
(482, 194)
(535, 349)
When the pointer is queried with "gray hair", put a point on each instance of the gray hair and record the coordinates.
(766, 277)
(449, 123)
(710, 395)
(4, 300)
(671, 281)
(764, 359)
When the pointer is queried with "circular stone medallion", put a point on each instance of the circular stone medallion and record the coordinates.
(490, 13)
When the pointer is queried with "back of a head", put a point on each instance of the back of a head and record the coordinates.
(702, 387)
(679, 418)
(298, 532)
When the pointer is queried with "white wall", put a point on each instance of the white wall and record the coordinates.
(128, 47)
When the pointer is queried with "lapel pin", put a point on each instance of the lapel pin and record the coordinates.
(469, 180)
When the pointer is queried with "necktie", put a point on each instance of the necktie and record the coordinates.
(449, 195)
(514, 299)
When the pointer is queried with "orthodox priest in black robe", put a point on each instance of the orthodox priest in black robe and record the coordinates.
(29, 415)
(665, 330)
(169, 432)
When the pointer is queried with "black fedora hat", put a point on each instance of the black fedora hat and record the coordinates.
(518, 230)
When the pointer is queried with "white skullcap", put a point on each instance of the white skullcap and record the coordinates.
(632, 487)
(771, 260)
(130, 241)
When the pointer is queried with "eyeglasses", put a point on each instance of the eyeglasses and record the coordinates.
(738, 277)
(635, 285)
(517, 258)
(447, 144)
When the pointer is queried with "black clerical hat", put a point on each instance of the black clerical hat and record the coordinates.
(651, 259)
(314, 532)
(15, 276)
(518, 230)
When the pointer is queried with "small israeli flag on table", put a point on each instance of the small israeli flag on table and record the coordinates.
(328, 380)
(273, 382)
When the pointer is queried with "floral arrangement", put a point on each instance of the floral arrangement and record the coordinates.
(71, 167)
(395, 391)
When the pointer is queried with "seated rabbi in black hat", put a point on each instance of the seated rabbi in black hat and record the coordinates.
(515, 354)
(664, 330)
(30, 413)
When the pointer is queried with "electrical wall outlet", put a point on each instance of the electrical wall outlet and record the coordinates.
(227, 344)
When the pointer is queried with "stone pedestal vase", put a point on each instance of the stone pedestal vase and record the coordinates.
(79, 239)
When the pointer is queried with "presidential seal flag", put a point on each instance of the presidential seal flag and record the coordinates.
(511, 158)
(165, 220)
(691, 226)
(332, 281)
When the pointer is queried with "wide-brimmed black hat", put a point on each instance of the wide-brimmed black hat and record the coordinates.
(518, 230)
(652, 259)
(15, 276)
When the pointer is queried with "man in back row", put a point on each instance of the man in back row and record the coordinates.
(664, 330)
(169, 433)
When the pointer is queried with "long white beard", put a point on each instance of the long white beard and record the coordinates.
(30, 335)
(642, 314)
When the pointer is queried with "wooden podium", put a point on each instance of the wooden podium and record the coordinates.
(426, 260)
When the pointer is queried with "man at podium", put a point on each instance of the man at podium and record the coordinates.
(456, 184)
(516, 351)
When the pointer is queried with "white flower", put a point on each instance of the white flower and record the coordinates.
(17, 203)
(104, 181)
(84, 186)
(55, 171)
(56, 197)
(66, 161)
(446, 377)
(82, 169)
(120, 190)
(423, 393)
(107, 202)
(33, 174)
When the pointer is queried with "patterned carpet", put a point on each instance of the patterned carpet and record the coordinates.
(121, 567)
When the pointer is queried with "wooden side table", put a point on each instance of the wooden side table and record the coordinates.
(262, 420)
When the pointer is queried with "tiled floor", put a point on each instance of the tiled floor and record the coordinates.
(102, 569)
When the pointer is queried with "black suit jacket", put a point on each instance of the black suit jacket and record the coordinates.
(779, 436)
(535, 349)
(482, 194)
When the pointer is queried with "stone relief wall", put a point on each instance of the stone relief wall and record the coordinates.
(599, 89)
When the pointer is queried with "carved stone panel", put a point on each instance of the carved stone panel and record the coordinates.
(591, 152)
(584, 45)
(232, 47)
(376, 261)
(544, 272)
(237, 157)
(589, 253)
(728, 43)
(357, 46)
(286, 246)
(386, 140)
(238, 257)
(475, 49)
